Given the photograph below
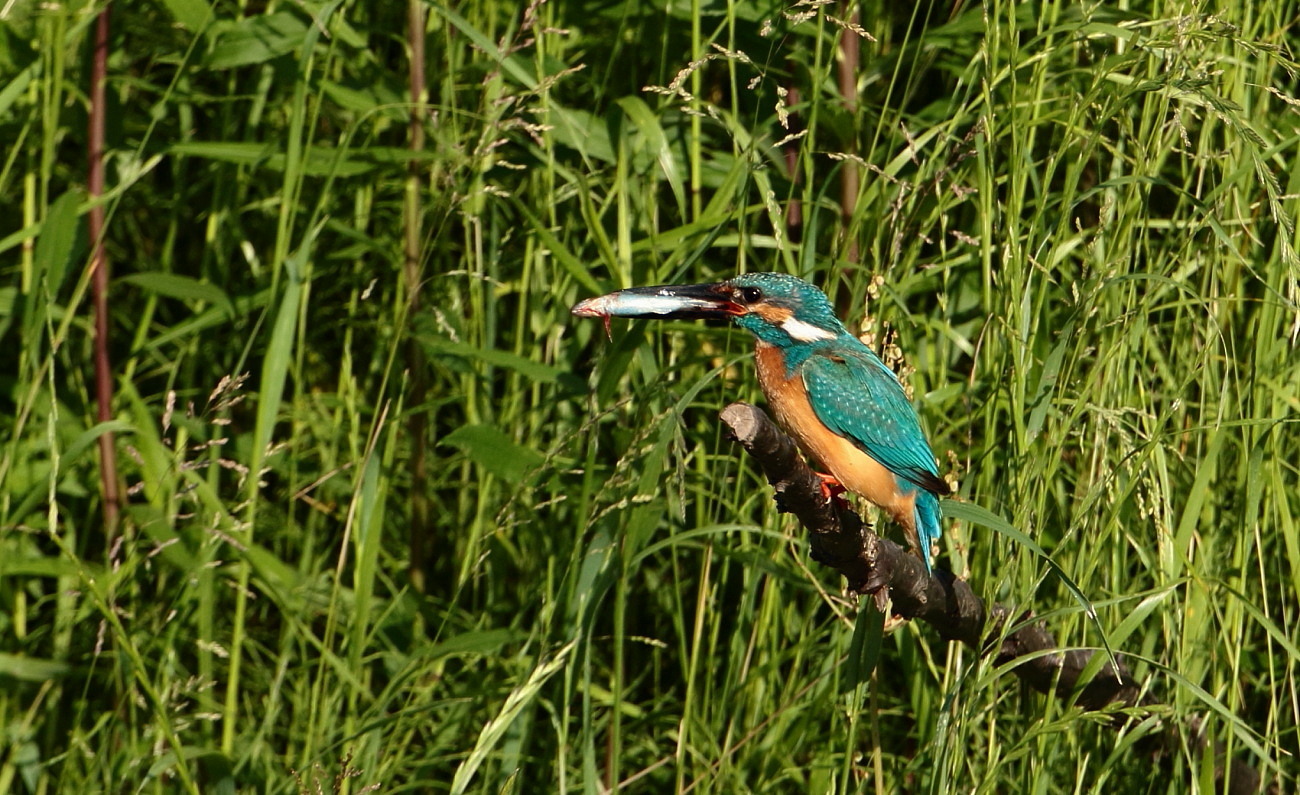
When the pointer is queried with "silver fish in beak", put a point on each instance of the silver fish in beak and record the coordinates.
(665, 302)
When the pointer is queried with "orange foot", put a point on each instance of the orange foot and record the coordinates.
(832, 489)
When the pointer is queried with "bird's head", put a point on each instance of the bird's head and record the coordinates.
(777, 308)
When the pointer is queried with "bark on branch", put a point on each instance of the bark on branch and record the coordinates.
(877, 566)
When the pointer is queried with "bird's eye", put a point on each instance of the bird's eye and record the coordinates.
(750, 295)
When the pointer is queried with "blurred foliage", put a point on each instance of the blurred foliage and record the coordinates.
(410, 526)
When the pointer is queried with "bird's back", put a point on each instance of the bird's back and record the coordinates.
(849, 412)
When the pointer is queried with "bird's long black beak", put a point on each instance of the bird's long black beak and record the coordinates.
(665, 302)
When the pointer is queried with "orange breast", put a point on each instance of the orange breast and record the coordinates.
(859, 472)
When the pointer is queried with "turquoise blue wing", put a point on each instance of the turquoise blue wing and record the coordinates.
(859, 398)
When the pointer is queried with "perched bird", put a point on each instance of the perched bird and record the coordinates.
(842, 404)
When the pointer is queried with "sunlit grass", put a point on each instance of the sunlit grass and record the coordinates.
(1075, 223)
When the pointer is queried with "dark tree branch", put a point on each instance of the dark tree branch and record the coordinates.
(877, 566)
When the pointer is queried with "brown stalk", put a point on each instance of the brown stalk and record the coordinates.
(417, 422)
(99, 272)
(850, 57)
(793, 209)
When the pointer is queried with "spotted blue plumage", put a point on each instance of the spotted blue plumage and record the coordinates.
(856, 396)
(861, 399)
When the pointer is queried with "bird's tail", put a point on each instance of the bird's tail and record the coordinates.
(928, 530)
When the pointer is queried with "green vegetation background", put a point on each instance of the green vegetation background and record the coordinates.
(417, 529)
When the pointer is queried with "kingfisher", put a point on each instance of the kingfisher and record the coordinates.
(844, 407)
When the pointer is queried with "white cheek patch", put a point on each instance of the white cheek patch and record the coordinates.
(805, 332)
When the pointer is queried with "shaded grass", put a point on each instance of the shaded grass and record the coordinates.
(1076, 221)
